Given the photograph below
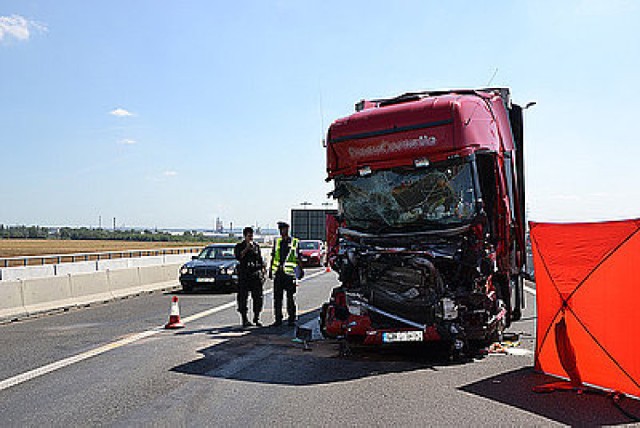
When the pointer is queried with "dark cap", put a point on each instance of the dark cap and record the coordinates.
(282, 224)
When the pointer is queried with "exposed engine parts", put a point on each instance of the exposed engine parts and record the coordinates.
(446, 282)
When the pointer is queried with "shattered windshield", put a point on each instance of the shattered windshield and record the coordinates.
(434, 196)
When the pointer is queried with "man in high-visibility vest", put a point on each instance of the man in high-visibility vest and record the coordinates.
(285, 263)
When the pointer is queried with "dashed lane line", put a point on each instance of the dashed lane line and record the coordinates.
(41, 371)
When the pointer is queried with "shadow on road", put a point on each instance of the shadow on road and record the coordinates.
(514, 388)
(200, 291)
(269, 355)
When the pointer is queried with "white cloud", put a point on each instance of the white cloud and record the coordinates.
(127, 142)
(18, 27)
(170, 173)
(120, 112)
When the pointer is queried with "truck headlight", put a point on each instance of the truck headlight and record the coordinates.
(315, 254)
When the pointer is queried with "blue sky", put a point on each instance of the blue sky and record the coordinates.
(170, 114)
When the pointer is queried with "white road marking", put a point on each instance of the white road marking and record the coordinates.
(32, 374)
(41, 371)
(529, 289)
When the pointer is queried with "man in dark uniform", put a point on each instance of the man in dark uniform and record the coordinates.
(284, 263)
(250, 277)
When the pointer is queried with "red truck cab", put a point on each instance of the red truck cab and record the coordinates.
(429, 236)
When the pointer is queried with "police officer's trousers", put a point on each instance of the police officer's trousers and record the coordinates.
(253, 286)
(284, 283)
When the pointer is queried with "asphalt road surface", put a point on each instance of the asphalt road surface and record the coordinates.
(111, 365)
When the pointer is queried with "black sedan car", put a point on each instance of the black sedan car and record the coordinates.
(214, 268)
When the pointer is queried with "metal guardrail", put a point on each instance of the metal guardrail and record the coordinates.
(106, 255)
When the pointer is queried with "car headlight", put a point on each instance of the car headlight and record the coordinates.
(184, 270)
(315, 254)
(227, 271)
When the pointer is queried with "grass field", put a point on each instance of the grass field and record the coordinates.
(38, 247)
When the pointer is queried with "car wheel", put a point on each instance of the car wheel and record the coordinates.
(187, 288)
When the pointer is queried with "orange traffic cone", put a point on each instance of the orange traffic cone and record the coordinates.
(174, 315)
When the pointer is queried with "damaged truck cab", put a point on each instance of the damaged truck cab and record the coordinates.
(429, 237)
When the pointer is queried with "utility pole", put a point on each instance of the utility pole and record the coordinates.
(99, 222)
(114, 223)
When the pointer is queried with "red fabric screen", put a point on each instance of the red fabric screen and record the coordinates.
(588, 301)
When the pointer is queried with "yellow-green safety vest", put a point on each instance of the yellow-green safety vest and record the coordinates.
(290, 262)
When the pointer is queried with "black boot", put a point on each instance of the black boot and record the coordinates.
(245, 321)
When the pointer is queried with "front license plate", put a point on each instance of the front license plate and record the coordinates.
(403, 336)
(205, 280)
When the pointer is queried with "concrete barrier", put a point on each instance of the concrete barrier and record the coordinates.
(11, 300)
(112, 264)
(45, 294)
(27, 272)
(74, 268)
(151, 274)
(20, 298)
(61, 269)
(171, 272)
(177, 258)
(124, 282)
(146, 261)
(90, 287)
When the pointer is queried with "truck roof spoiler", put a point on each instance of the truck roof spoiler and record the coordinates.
(504, 93)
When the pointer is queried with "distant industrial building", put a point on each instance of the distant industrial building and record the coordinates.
(310, 223)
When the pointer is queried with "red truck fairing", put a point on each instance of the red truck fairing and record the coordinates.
(432, 127)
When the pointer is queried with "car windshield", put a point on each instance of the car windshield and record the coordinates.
(309, 245)
(217, 253)
(430, 197)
